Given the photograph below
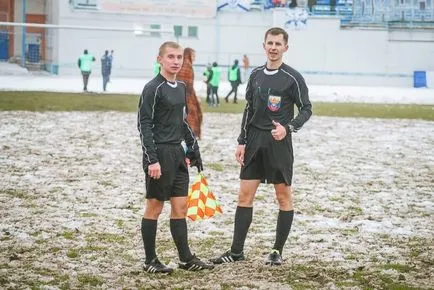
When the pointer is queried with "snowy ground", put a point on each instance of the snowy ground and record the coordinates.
(72, 195)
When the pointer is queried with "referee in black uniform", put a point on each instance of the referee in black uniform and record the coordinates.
(162, 125)
(265, 145)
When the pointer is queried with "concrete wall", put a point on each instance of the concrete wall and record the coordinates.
(323, 52)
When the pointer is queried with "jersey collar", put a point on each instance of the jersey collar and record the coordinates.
(173, 85)
(270, 72)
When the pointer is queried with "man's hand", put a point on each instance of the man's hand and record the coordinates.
(279, 132)
(239, 154)
(195, 159)
(154, 170)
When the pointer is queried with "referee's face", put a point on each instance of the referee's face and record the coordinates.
(171, 60)
(275, 47)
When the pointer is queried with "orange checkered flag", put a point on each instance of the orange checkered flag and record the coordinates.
(202, 203)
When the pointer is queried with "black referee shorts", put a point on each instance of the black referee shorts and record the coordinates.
(266, 159)
(174, 173)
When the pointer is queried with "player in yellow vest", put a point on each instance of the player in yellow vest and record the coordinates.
(85, 64)
(234, 77)
(207, 78)
(215, 82)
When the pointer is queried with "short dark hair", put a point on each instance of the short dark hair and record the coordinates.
(166, 44)
(277, 31)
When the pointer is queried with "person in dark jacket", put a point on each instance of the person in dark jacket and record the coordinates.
(234, 77)
(106, 67)
(265, 143)
(214, 83)
(111, 57)
(162, 125)
(208, 76)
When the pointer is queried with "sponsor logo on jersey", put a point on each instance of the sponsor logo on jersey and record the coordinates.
(274, 103)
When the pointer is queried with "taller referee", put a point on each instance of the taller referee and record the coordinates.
(162, 125)
(265, 145)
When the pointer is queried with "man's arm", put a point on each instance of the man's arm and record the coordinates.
(301, 96)
(248, 113)
(190, 139)
(79, 63)
(193, 152)
(145, 123)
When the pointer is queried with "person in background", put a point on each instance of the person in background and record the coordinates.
(246, 67)
(264, 148)
(85, 62)
(234, 77)
(156, 69)
(111, 64)
(311, 4)
(215, 82)
(293, 4)
(208, 75)
(162, 127)
(186, 75)
(105, 69)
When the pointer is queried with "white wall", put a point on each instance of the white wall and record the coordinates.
(323, 52)
(133, 56)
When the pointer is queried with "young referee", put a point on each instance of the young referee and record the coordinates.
(162, 125)
(265, 145)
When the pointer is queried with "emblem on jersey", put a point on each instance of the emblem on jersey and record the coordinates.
(274, 103)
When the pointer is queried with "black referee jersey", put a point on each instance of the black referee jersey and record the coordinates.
(271, 95)
(162, 117)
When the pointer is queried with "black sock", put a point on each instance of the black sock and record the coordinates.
(178, 228)
(284, 222)
(243, 219)
(149, 232)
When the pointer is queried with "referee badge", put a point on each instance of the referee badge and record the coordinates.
(274, 103)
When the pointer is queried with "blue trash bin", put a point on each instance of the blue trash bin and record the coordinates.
(4, 45)
(33, 53)
(419, 79)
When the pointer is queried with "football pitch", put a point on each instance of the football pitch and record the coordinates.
(72, 194)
